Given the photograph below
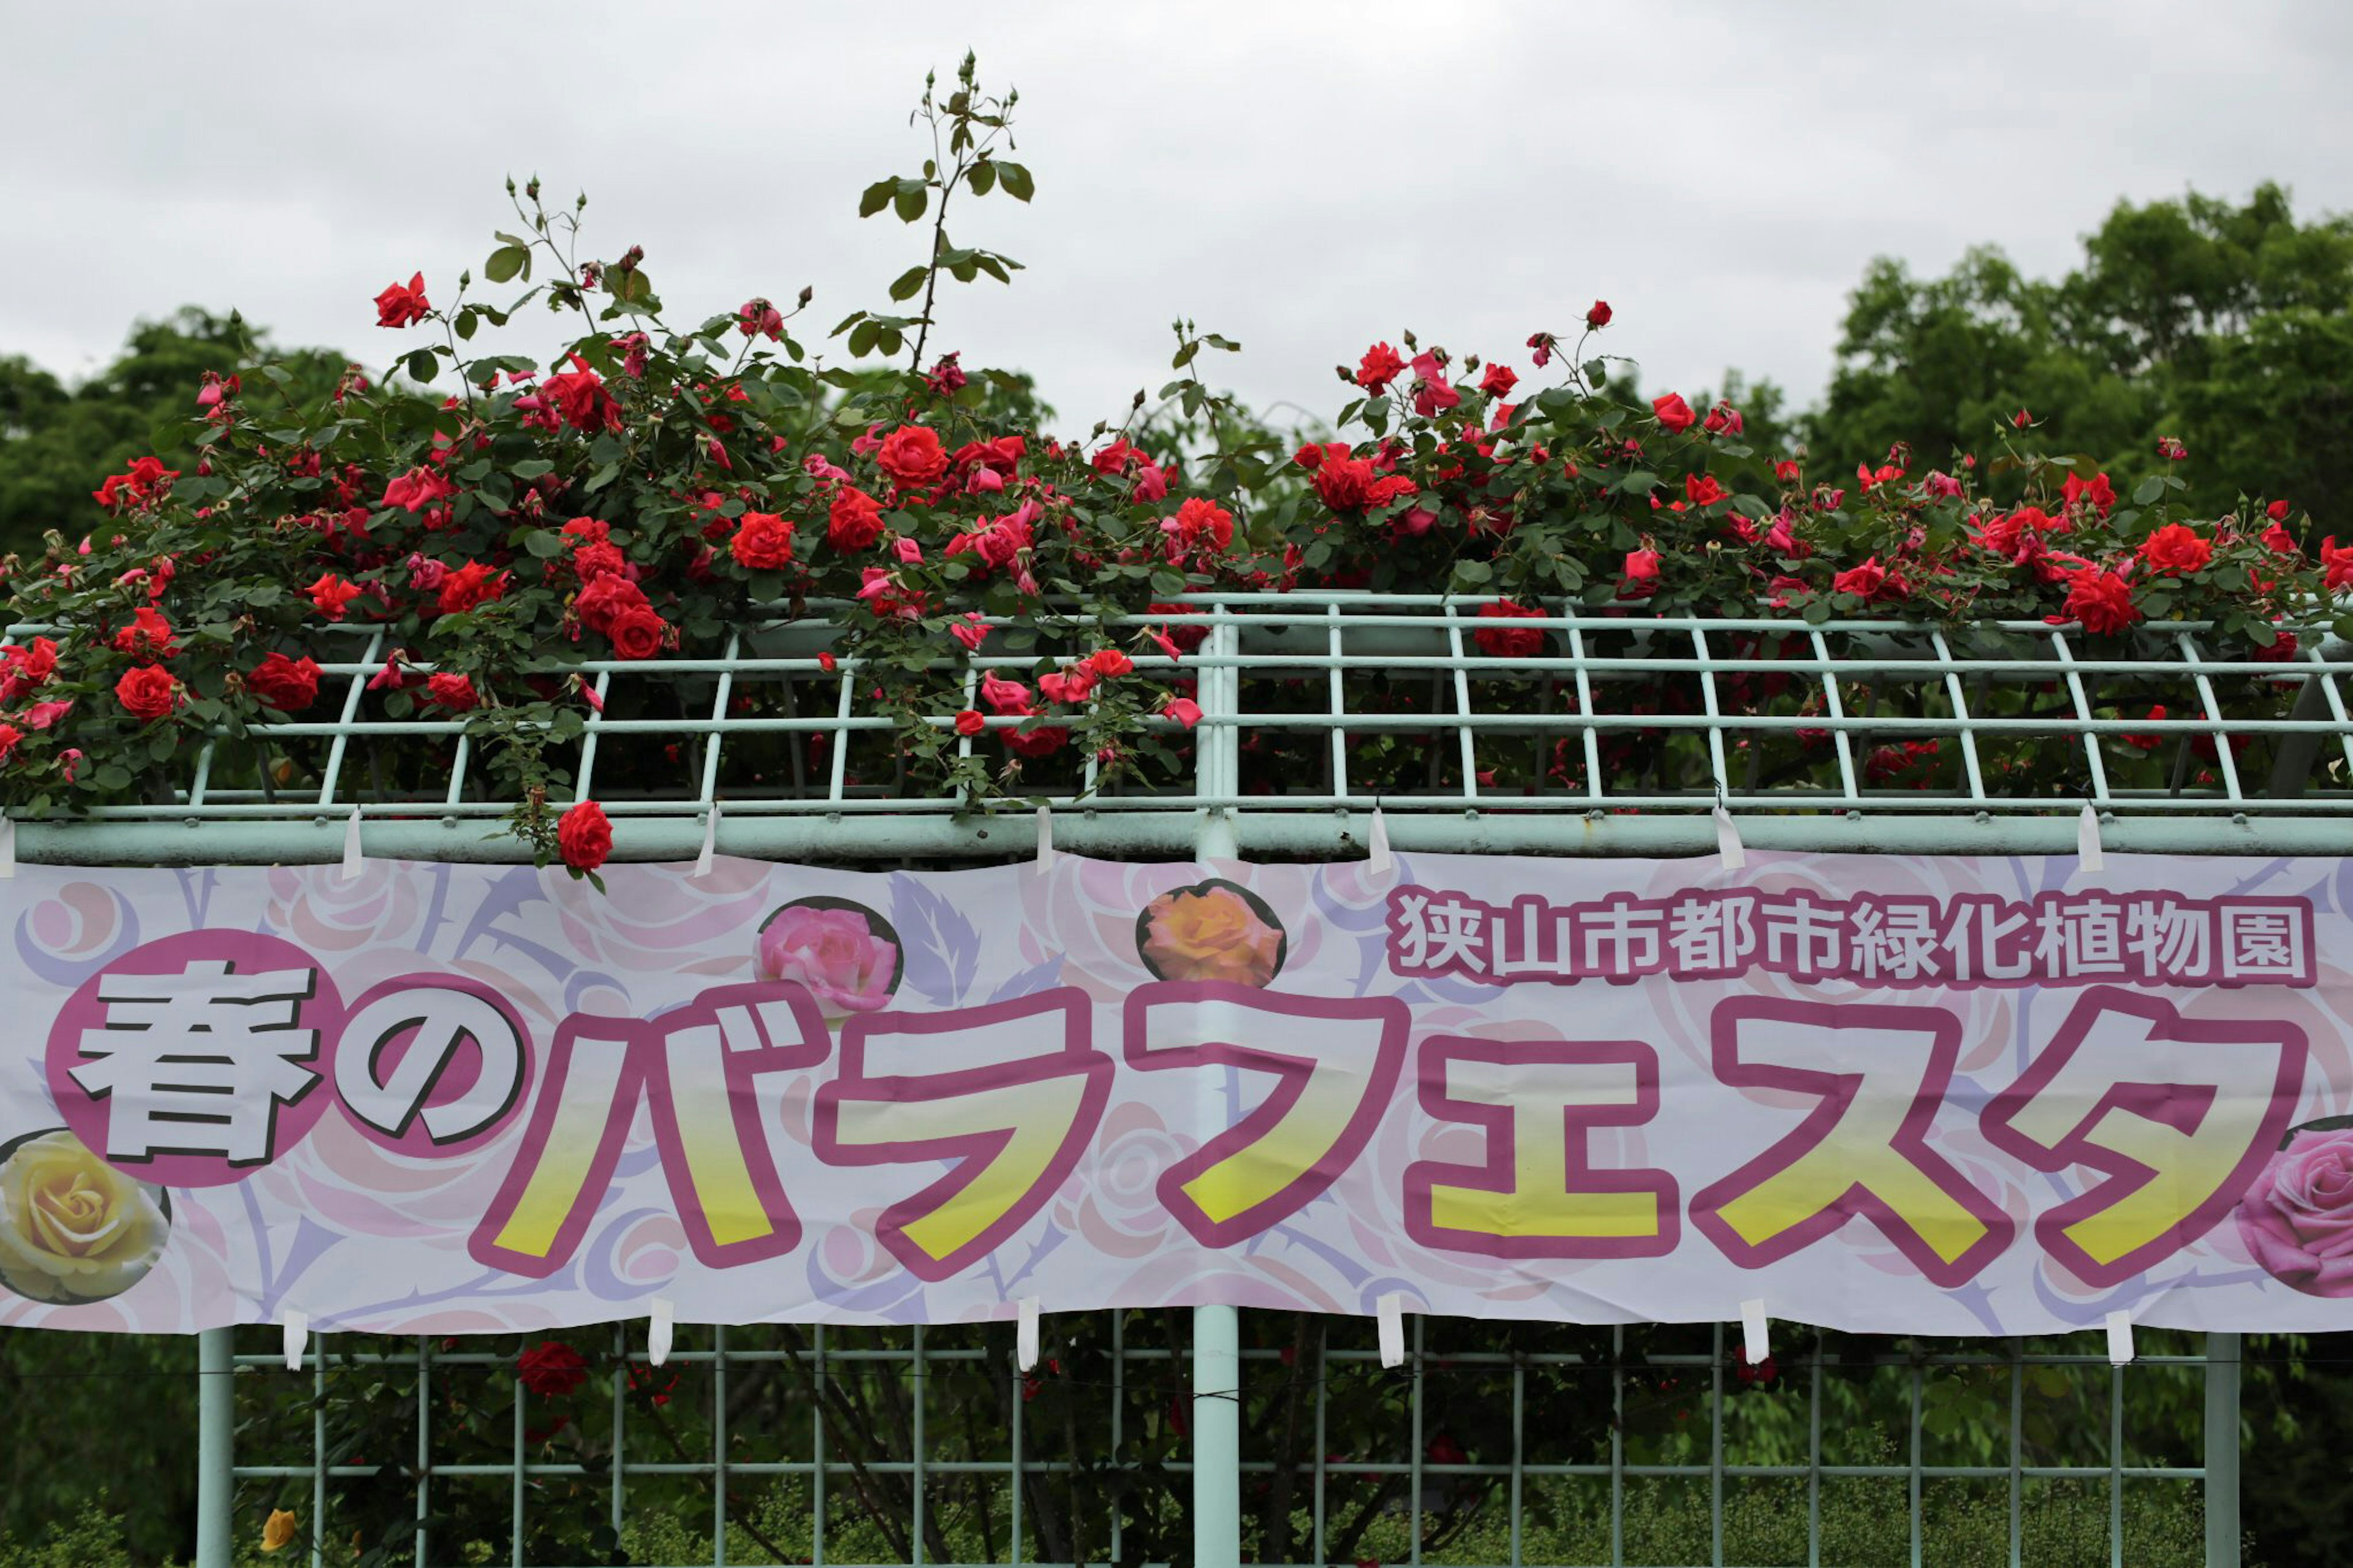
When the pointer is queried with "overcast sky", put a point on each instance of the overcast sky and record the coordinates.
(1304, 177)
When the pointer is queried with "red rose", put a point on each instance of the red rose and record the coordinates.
(148, 638)
(1381, 366)
(584, 837)
(2096, 490)
(1201, 527)
(2102, 601)
(471, 584)
(1598, 317)
(763, 542)
(1043, 742)
(289, 685)
(454, 692)
(1867, 580)
(591, 561)
(2335, 564)
(2276, 511)
(605, 599)
(403, 305)
(578, 395)
(853, 522)
(637, 632)
(1509, 642)
(1673, 412)
(2176, 548)
(150, 691)
(551, 1369)
(1786, 471)
(1702, 489)
(1642, 578)
(970, 722)
(331, 595)
(1184, 710)
(1499, 380)
(911, 455)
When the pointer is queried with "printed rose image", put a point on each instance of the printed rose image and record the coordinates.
(846, 954)
(72, 1227)
(2297, 1216)
(1211, 931)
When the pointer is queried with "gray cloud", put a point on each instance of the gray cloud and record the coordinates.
(1305, 177)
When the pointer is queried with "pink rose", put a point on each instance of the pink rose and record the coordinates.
(834, 949)
(2297, 1217)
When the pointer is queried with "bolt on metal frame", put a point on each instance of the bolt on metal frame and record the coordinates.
(1295, 669)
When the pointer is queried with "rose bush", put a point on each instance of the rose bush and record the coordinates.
(654, 487)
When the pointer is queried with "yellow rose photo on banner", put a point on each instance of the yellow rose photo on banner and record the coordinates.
(1215, 930)
(72, 1227)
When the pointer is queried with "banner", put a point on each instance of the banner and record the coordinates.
(1895, 1095)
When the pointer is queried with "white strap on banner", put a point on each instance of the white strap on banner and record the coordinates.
(297, 1336)
(1733, 853)
(1753, 1346)
(351, 857)
(1389, 1311)
(2088, 841)
(1025, 1333)
(2120, 1345)
(658, 1332)
(710, 841)
(1378, 861)
(7, 846)
(1045, 837)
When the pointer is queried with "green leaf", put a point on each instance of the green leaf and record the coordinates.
(910, 283)
(1016, 181)
(861, 338)
(2148, 490)
(507, 263)
(912, 197)
(1473, 573)
(422, 365)
(545, 544)
(982, 178)
(876, 196)
(1640, 482)
(531, 468)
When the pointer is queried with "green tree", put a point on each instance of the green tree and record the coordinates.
(57, 442)
(2225, 326)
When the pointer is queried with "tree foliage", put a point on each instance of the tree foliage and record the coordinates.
(2223, 326)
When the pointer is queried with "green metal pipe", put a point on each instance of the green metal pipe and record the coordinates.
(216, 1447)
(1173, 834)
(2223, 1351)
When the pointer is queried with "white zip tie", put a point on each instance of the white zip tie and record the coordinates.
(1390, 1311)
(710, 842)
(7, 846)
(2088, 841)
(1378, 862)
(1025, 1333)
(2120, 1344)
(298, 1335)
(1753, 1346)
(1045, 837)
(351, 857)
(657, 1332)
(1733, 853)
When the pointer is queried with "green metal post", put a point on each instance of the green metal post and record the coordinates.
(1217, 1330)
(215, 1440)
(2222, 1451)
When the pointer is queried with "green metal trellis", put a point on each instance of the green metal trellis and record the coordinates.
(1293, 671)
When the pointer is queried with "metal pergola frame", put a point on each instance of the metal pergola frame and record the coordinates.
(1952, 688)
